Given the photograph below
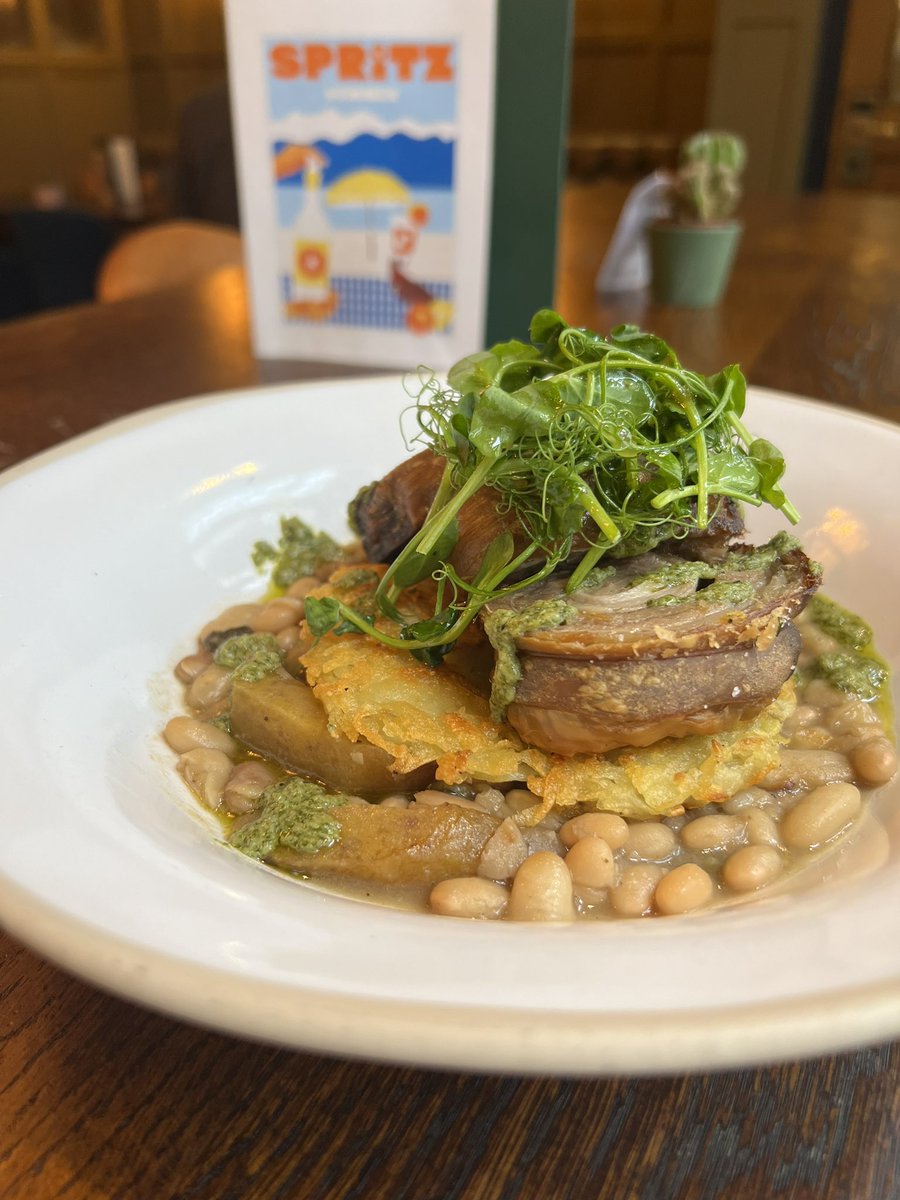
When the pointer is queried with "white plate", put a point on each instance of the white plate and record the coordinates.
(120, 544)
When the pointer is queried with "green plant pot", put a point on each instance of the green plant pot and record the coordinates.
(691, 264)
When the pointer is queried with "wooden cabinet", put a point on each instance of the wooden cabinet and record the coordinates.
(74, 73)
(63, 88)
(175, 50)
(639, 76)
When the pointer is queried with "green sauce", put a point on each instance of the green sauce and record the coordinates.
(294, 813)
(851, 672)
(857, 668)
(502, 628)
(736, 593)
(761, 556)
(249, 656)
(596, 577)
(361, 577)
(674, 574)
(841, 624)
(301, 550)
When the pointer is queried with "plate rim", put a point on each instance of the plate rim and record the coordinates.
(128, 422)
(582, 1043)
(463, 1038)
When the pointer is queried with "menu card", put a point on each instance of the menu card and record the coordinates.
(370, 142)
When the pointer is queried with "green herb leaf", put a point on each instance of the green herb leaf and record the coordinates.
(546, 326)
(416, 567)
(636, 341)
(322, 614)
(730, 382)
(770, 463)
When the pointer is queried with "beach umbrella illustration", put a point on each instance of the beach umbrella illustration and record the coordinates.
(370, 189)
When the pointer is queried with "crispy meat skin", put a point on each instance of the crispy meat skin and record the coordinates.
(623, 671)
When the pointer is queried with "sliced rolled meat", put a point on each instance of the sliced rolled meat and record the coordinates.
(664, 647)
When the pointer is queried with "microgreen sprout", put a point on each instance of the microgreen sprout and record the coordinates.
(608, 439)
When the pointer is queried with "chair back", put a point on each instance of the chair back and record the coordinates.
(163, 255)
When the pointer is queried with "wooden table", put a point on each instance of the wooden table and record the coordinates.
(101, 1099)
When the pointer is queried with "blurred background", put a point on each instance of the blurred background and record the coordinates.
(116, 113)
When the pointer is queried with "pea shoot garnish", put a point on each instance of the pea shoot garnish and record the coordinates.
(607, 439)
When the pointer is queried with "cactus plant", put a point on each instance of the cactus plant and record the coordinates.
(706, 187)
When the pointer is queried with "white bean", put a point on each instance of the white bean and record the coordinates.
(613, 829)
(853, 717)
(191, 665)
(433, 799)
(802, 716)
(287, 638)
(751, 797)
(395, 801)
(245, 785)
(813, 737)
(760, 827)
(301, 588)
(874, 761)
(206, 772)
(805, 769)
(751, 868)
(820, 815)
(542, 890)
(591, 863)
(209, 687)
(633, 894)
(477, 899)
(276, 615)
(650, 841)
(718, 832)
(235, 617)
(187, 733)
(682, 890)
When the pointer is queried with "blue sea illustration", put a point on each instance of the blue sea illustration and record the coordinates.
(425, 166)
(420, 163)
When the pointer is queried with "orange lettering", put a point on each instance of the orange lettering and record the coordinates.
(318, 57)
(404, 59)
(283, 58)
(440, 65)
(351, 62)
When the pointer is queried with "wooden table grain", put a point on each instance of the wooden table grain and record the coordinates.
(103, 1100)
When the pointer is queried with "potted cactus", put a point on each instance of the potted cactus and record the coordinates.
(691, 252)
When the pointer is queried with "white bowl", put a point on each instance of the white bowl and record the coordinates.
(119, 545)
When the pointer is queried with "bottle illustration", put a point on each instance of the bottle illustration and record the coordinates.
(311, 267)
(308, 250)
